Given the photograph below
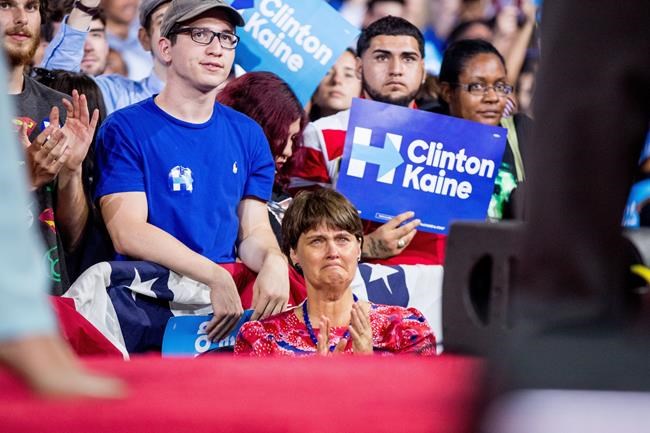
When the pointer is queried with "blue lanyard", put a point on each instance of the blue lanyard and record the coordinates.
(310, 330)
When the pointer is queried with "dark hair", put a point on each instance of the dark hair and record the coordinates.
(456, 57)
(322, 206)
(268, 100)
(463, 26)
(66, 81)
(372, 3)
(101, 16)
(44, 10)
(459, 53)
(389, 26)
(315, 112)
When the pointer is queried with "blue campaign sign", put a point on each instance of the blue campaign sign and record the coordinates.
(299, 40)
(187, 336)
(398, 159)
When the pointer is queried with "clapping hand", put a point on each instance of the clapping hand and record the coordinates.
(48, 153)
(79, 128)
(360, 332)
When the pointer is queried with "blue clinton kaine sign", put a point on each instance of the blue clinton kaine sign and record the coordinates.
(398, 159)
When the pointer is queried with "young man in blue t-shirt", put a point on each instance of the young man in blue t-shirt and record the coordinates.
(183, 181)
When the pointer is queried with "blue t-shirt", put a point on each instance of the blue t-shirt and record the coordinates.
(194, 175)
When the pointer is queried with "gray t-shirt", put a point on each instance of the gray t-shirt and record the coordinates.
(33, 106)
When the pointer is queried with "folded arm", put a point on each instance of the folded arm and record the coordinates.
(125, 215)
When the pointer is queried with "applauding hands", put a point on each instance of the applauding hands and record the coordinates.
(59, 148)
(360, 332)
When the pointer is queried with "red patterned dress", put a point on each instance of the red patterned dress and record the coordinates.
(394, 330)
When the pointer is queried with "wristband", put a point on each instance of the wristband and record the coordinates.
(90, 10)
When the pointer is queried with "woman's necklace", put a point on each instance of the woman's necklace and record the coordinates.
(310, 330)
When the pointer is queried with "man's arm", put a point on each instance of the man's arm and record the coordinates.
(125, 215)
(66, 49)
(259, 250)
(71, 205)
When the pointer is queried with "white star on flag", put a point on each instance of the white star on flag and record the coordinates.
(142, 287)
(382, 272)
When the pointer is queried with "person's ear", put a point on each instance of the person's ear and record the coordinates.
(445, 92)
(294, 257)
(144, 38)
(359, 68)
(424, 72)
(165, 47)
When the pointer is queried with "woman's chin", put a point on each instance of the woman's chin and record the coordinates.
(336, 283)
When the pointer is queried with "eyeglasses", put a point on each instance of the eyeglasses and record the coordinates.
(205, 36)
(480, 89)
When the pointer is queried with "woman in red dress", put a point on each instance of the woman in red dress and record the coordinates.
(322, 235)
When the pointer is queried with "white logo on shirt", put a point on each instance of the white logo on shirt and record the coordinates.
(180, 179)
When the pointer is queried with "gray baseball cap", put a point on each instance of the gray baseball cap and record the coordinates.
(185, 10)
(147, 7)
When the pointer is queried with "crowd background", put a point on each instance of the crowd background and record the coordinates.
(120, 42)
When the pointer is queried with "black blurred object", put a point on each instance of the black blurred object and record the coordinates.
(479, 266)
(478, 294)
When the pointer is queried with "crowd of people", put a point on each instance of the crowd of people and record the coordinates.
(140, 144)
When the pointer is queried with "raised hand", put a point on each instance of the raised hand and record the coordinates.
(323, 346)
(360, 331)
(47, 154)
(391, 238)
(79, 128)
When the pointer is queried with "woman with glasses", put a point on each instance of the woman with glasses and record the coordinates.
(474, 86)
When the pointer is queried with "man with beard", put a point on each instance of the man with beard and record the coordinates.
(53, 154)
(391, 68)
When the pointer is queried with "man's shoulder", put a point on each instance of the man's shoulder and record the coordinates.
(240, 125)
(137, 113)
(236, 118)
(44, 93)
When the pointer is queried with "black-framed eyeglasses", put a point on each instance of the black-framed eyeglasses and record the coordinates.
(205, 36)
(480, 89)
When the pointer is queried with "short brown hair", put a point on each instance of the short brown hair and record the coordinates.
(311, 209)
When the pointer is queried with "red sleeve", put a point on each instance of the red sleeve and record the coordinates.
(402, 330)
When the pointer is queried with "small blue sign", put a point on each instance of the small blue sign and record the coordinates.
(188, 336)
(398, 159)
(288, 38)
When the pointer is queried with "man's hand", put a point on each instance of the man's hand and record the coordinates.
(79, 128)
(47, 154)
(391, 238)
(271, 289)
(225, 303)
